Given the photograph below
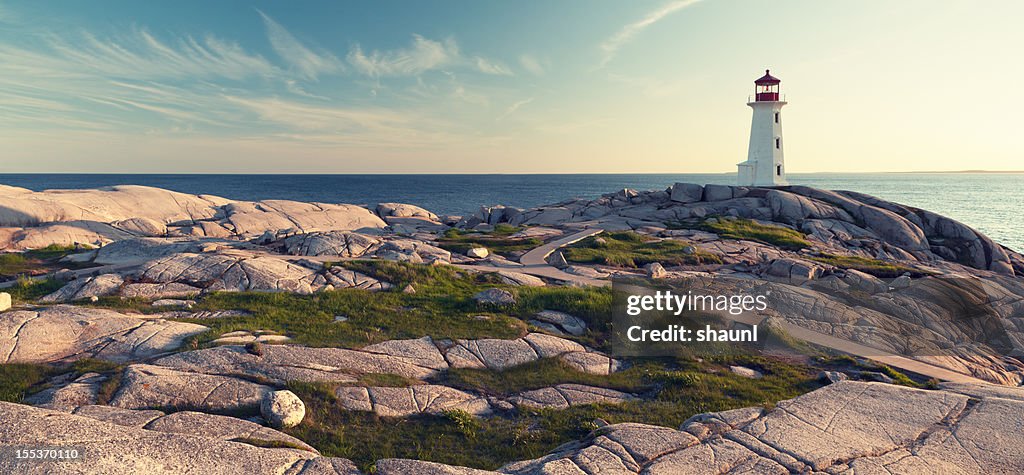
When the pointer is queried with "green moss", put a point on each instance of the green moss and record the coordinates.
(867, 265)
(630, 249)
(497, 241)
(750, 230)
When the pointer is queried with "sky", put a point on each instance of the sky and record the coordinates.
(568, 86)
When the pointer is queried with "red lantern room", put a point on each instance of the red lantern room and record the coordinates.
(766, 88)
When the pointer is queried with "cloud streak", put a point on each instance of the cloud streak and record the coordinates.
(308, 63)
(610, 47)
(422, 55)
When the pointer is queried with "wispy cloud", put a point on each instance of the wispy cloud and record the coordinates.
(531, 64)
(422, 55)
(305, 61)
(611, 46)
(487, 66)
(514, 107)
(138, 54)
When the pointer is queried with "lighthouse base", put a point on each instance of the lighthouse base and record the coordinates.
(756, 174)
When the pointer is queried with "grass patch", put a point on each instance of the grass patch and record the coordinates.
(35, 262)
(750, 230)
(677, 390)
(442, 307)
(497, 241)
(867, 265)
(28, 290)
(630, 249)
(18, 380)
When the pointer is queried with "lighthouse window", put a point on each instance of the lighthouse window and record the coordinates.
(778, 142)
(778, 170)
(776, 117)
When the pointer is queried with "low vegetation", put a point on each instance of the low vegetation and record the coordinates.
(19, 380)
(630, 249)
(875, 267)
(750, 230)
(497, 241)
(441, 307)
(34, 262)
(673, 391)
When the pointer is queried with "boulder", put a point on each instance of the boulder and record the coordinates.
(478, 252)
(687, 193)
(141, 226)
(718, 193)
(401, 210)
(560, 321)
(5, 301)
(795, 271)
(282, 409)
(655, 270)
(500, 297)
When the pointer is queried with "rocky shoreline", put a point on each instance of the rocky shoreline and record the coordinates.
(137, 270)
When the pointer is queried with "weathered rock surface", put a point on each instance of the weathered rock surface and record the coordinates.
(566, 395)
(846, 427)
(148, 387)
(286, 363)
(502, 354)
(85, 288)
(406, 401)
(332, 243)
(560, 322)
(65, 333)
(117, 449)
(248, 272)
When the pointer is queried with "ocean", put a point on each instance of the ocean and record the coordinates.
(990, 202)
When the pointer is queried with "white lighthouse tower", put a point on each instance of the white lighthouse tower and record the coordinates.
(765, 165)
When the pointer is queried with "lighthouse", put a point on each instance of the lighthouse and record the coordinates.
(765, 165)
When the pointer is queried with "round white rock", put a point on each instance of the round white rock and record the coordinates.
(282, 409)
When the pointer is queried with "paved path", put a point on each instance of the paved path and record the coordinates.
(539, 255)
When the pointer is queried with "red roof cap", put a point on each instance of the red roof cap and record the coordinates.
(767, 79)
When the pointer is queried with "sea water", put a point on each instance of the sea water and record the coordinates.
(989, 202)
